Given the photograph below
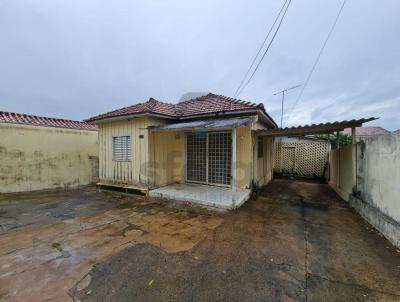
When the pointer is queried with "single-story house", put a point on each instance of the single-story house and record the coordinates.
(204, 149)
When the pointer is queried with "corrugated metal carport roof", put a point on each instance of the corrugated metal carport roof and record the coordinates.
(322, 128)
(216, 124)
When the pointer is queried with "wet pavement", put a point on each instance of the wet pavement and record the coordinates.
(297, 242)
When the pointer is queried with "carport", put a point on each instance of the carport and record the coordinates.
(323, 129)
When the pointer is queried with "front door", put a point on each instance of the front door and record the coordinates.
(209, 158)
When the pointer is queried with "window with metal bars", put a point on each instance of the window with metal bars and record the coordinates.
(122, 148)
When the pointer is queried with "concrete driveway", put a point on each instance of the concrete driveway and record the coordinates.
(296, 242)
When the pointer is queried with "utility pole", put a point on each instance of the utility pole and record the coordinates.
(283, 98)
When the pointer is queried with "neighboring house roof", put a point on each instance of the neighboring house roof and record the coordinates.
(367, 131)
(203, 105)
(27, 119)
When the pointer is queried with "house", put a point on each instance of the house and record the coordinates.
(367, 132)
(203, 150)
(39, 153)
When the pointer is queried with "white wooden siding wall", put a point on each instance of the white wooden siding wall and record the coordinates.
(303, 158)
(136, 170)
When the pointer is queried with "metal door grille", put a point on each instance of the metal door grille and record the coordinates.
(209, 158)
(196, 156)
(219, 158)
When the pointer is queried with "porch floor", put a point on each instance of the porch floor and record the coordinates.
(212, 196)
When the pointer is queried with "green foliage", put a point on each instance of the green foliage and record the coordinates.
(344, 139)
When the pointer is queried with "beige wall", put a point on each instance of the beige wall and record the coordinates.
(244, 157)
(341, 175)
(378, 178)
(378, 173)
(158, 158)
(265, 163)
(36, 157)
(135, 171)
(167, 157)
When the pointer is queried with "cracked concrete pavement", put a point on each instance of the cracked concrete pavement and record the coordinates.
(296, 242)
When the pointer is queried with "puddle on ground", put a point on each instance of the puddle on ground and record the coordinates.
(44, 262)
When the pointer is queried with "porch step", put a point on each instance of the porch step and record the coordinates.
(210, 196)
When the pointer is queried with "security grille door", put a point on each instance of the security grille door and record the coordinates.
(196, 156)
(209, 158)
(219, 158)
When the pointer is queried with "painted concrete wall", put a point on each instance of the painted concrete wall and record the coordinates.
(37, 158)
(341, 174)
(378, 183)
(136, 170)
(378, 179)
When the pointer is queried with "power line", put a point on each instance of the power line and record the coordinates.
(261, 47)
(317, 59)
(266, 51)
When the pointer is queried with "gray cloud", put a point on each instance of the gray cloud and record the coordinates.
(75, 58)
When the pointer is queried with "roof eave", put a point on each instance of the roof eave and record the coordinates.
(129, 116)
(265, 118)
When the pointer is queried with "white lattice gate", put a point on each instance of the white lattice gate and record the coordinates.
(301, 157)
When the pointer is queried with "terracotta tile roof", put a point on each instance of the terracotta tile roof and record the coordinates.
(213, 103)
(367, 131)
(210, 103)
(20, 118)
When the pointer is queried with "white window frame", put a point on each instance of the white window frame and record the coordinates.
(125, 154)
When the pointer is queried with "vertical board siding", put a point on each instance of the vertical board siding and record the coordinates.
(265, 163)
(244, 157)
(167, 157)
(136, 170)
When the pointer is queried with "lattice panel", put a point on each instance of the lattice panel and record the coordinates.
(303, 158)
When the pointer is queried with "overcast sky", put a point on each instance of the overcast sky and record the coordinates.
(76, 58)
